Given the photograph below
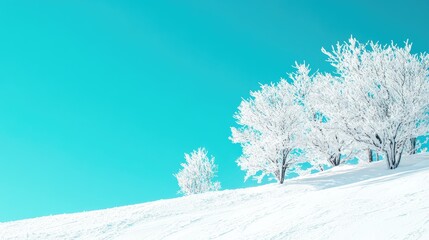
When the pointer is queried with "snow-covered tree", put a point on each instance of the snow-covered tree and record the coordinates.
(322, 141)
(197, 173)
(270, 127)
(382, 95)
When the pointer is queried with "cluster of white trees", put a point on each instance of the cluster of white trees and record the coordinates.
(376, 101)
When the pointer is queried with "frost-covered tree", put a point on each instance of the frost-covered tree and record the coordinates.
(197, 173)
(382, 95)
(270, 127)
(323, 143)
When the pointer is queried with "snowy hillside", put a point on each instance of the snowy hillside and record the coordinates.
(347, 202)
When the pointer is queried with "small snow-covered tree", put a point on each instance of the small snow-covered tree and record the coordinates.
(382, 95)
(270, 125)
(197, 173)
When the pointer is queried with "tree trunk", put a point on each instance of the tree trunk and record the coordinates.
(413, 145)
(282, 175)
(335, 159)
(338, 159)
(284, 166)
(394, 155)
(370, 158)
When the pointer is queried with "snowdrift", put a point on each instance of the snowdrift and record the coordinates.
(347, 202)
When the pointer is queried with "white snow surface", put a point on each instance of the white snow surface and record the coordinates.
(366, 201)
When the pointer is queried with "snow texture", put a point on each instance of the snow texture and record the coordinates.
(347, 202)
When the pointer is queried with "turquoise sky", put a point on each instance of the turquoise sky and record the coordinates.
(99, 100)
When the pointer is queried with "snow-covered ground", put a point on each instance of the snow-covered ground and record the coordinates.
(347, 202)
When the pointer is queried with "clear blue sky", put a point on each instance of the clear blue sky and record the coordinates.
(99, 100)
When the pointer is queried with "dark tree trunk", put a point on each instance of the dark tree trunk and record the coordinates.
(370, 158)
(394, 155)
(413, 145)
(284, 166)
(282, 175)
(335, 160)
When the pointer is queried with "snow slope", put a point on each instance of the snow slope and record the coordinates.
(347, 202)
